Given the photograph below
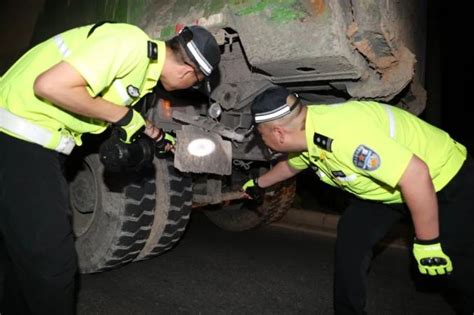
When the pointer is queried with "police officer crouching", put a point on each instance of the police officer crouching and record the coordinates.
(391, 161)
(80, 81)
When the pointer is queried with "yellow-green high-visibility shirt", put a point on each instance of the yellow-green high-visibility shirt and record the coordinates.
(119, 62)
(364, 148)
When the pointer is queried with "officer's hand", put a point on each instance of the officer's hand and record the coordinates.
(117, 155)
(130, 126)
(109, 152)
(254, 191)
(430, 258)
(164, 144)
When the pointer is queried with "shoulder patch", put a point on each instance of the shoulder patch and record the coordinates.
(152, 50)
(366, 158)
(322, 141)
(338, 174)
(133, 91)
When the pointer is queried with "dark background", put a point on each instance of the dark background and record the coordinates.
(449, 39)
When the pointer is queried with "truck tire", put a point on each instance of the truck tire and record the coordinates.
(243, 215)
(112, 213)
(172, 209)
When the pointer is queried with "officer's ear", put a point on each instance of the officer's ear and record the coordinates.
(183, 71)
(279, 133)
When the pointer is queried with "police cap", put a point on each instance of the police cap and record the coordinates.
(271, 104)
(201, 47)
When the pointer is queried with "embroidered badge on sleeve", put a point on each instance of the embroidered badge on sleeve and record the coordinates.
(133, 91)
(366, 158)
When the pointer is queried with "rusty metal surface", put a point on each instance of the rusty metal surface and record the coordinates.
(365, 46)
(221, 198)
(384, 37)
(368, 46)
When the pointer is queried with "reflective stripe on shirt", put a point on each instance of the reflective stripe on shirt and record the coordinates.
(122, 92)
(63, 48)
(391, 120)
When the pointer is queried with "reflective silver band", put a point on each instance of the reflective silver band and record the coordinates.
(391, 121)
(204, 65)
(122, 92)
(272, 115)
(33, 133)
(63, 48)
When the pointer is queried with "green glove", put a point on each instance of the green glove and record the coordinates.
(161, 143)
(430, 258)
(255, 192)
(130, 126)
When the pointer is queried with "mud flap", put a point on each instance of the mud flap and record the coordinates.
(199, 151)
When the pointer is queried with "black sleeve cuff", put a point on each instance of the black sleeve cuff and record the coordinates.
(427, 242)
(126, 119)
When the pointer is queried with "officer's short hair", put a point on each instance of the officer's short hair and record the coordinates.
(178, 51)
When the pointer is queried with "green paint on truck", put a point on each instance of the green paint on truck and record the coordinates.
(278, 11)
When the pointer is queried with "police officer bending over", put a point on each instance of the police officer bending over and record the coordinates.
(391, 160)
(80, 81)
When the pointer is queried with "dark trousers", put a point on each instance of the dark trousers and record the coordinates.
(365, 223)
(36, 229)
